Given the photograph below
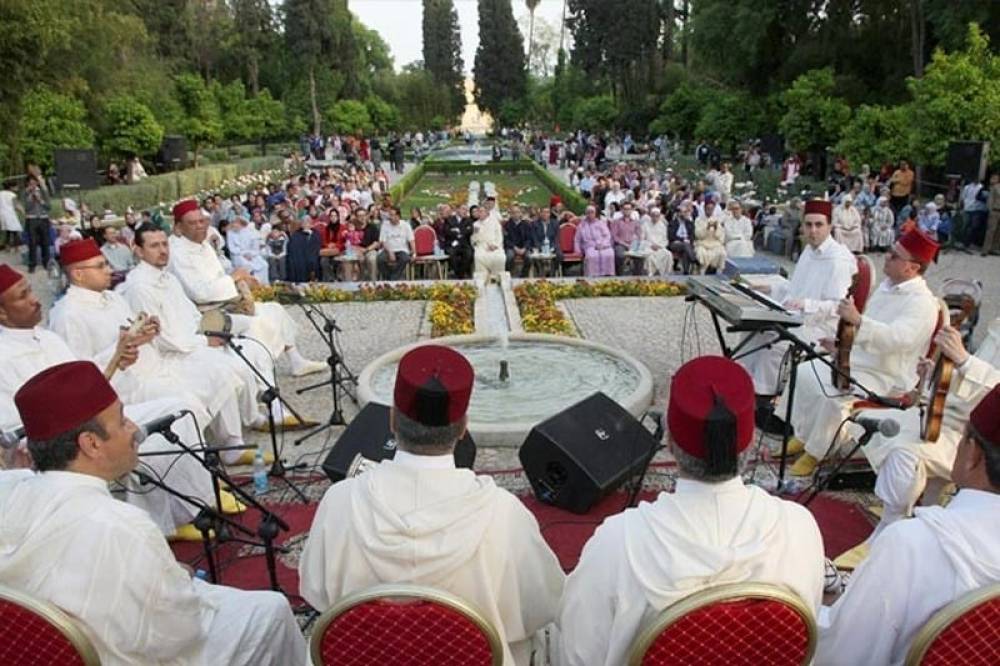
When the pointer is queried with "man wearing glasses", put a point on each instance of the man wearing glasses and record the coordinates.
(891, 337)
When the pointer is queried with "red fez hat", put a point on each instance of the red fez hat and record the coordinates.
(78, 250)
(699, 391)
(8, 277)
(985, 418)
(921, 247)
(61, 398)
(819, 206)
(554, 200)
(183, 207)
(433, 385)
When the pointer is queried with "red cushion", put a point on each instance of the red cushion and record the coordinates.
(411, 633)
(972, 639)
(423, 239)
(28, 639)
(572, 256)
(751, 632)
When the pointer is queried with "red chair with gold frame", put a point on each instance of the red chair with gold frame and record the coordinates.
(424, 238)
(404, 625)
(966, 632)
(739, 624)
(567, 243)
(36, 632)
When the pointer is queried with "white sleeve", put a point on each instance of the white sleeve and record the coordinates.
(909, 331)
(200, 283)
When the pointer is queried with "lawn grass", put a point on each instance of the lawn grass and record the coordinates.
(434, 189)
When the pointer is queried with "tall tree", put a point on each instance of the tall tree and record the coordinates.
(532, 6)
(443, 49)
(500, 69)
(309, 34)
(255, 33)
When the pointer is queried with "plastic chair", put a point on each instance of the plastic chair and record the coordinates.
(404, 625)
(567, 243)
(966, 632)
(738, 624)
(36, 632)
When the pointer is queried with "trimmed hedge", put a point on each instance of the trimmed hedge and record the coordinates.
(169, 187)
(571, 199)
(399, 191)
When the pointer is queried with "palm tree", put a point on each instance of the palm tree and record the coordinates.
(532, 4)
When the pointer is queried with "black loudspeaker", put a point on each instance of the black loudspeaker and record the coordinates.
(967, 159)
(368, 437)
(585, 452)
(773, 145)
(174, 152)
(76, 168)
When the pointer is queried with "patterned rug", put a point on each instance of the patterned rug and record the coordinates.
(843, 525)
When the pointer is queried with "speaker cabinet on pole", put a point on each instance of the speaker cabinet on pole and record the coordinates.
(967, 159)
(76, 168)
(174, 152)
(584, 452)
(368, 437)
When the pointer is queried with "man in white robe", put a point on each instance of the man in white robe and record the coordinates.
(819, 282)
(90, 317)
(26, 349)
(712, 530)
(199, 271)
(655, 240)
(244, 246)
(919, 566)
(65, 540)
(891, 337)
(417, 519)
(739, 231)
(150, 288)
(906, 464)
(487, 243)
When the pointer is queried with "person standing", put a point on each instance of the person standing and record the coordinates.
(900, 186)
(35, 202)
(10, 222)
(991, 243)
(974, 200)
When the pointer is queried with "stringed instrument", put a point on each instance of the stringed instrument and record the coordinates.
(845, 340)
(136, 326)
(940, 378)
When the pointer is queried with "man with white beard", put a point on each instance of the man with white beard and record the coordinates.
(90, 316)
(197, 267)
(26, 349)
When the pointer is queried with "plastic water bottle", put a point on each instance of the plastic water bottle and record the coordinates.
(348, 249)
(437, 248)
(545, 246)
(201, 574)
(259, 473)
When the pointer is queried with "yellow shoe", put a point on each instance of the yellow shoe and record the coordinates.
(852, 559)
(229, 502)
(188, 532)
(876, 510)
(804, 466)
(289, 423)
(795, 447)
(246, 458)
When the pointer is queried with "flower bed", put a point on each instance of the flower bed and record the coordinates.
(540, 314)
(451, 304)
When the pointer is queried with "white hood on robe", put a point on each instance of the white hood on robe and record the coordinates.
(720, 534)
(959, 530)
(426, 543)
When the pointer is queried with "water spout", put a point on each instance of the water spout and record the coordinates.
(504, 371)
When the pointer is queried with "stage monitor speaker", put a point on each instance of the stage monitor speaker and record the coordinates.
(584, 452)
(76, 168)
(367, 439)
(174, 152)
(773, 145)
(967, 159)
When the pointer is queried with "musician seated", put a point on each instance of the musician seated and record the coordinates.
(907, 464)
(194, 261)
(890, 339)
(918, 566)
(822, 277)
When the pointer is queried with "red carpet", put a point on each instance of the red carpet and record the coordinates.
(842, 524)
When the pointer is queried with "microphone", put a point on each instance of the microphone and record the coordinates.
(10, 439)
(886, 427)
(222, 335)
(158, 425)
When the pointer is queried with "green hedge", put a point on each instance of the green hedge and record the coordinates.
(571, 199)
(169, 187)
(399, 191)
(453, 166)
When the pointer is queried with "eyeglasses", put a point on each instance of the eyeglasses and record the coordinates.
(101, 266)
(893, 254)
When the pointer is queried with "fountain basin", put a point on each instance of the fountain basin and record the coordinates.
(548, 373)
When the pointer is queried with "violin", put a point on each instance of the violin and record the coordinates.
(940, 379)
(841, 375)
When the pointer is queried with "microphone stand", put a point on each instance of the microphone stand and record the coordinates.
(278, 469)
(823, 483)
(337, 382)
(270, 524)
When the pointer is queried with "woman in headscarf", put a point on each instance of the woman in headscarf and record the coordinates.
(880, 229)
